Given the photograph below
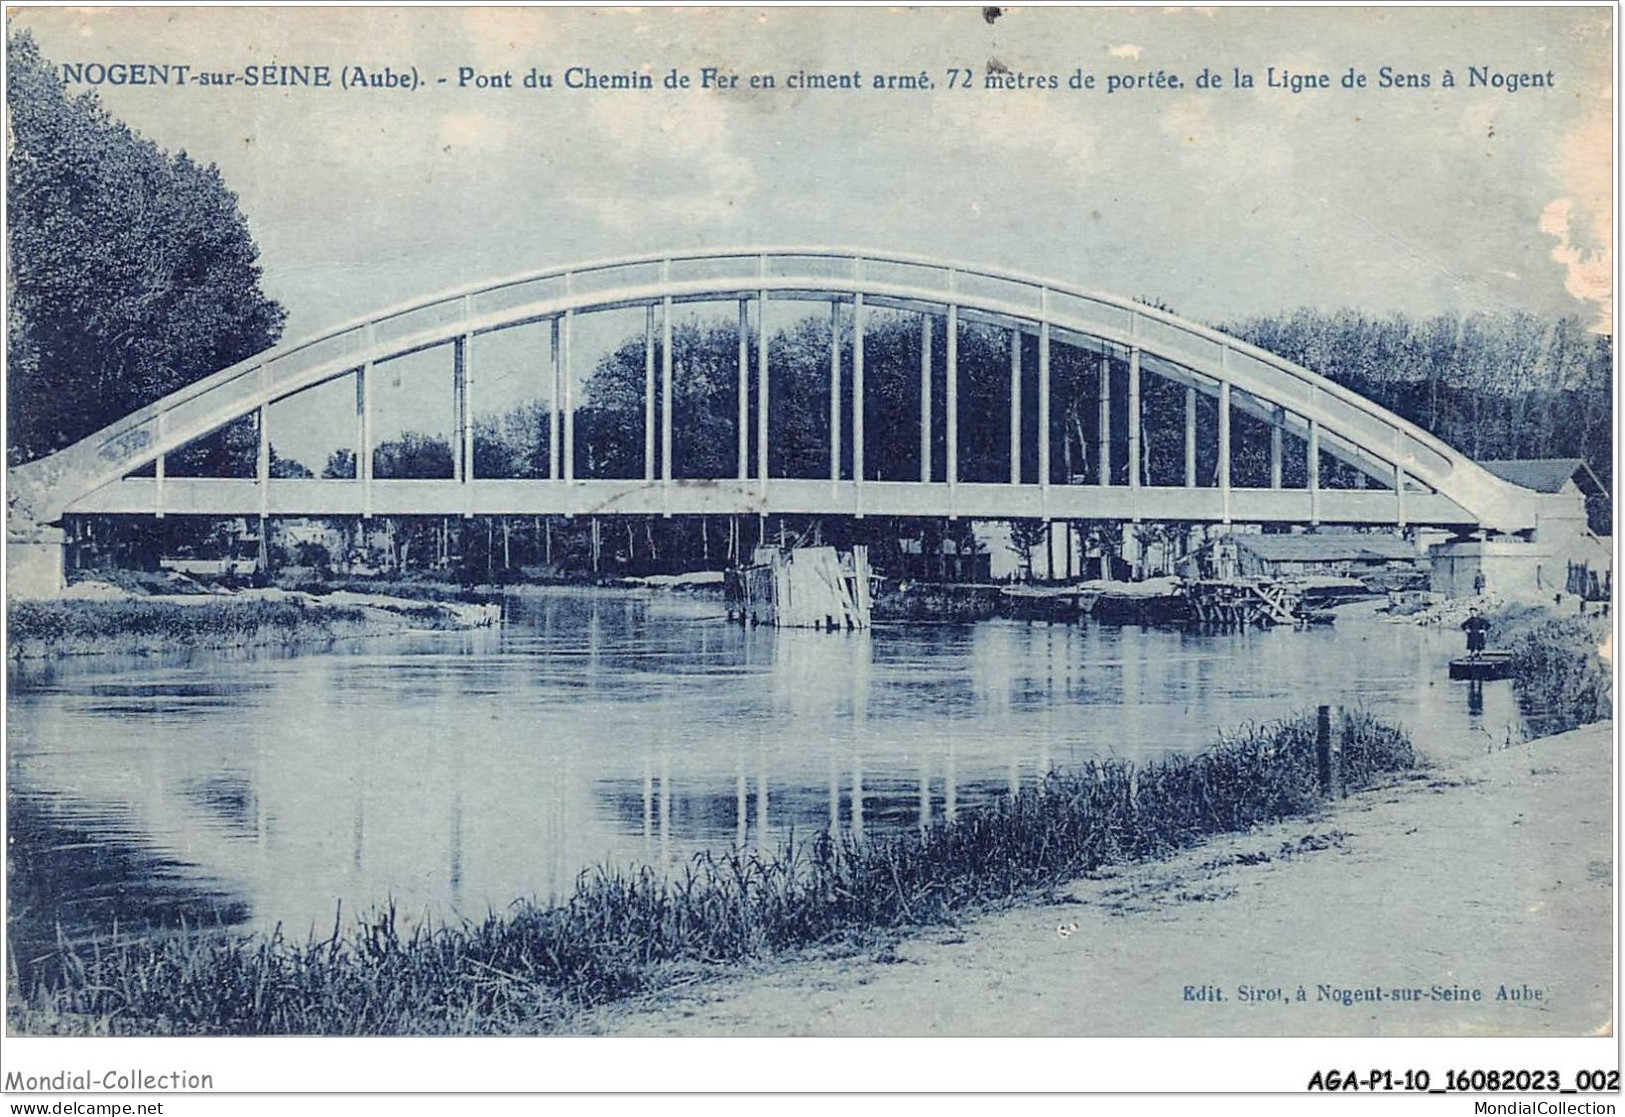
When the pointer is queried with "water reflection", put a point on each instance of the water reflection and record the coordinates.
(452, 773)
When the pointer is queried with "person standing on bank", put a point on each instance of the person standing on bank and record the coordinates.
(1477, 629)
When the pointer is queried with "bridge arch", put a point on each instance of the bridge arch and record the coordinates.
(1426, 481)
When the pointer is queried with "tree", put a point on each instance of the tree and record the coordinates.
(414, 456)
(288, 468)
(1027, 536)
(341, 465)
(132, 271)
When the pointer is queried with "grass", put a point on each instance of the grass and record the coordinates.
(48, 628)
(1559, 675)
(626, 932)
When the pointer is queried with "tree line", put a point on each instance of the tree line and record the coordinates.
(1503, 385)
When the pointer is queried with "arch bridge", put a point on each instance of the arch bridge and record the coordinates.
(1419, 479)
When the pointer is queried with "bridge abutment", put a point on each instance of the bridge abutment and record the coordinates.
(35, 563)
(1527, 569)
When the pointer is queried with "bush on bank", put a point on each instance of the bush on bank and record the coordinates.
(1558, 671)
(627, 931)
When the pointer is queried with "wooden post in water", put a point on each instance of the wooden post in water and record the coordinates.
(1328, 753)
(1323, 748)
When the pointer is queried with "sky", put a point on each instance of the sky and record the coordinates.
(1219, 203)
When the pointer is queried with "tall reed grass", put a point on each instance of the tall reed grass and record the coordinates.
(623, 932)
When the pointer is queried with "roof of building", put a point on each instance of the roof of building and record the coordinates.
(1327, 548)
(1546, 475)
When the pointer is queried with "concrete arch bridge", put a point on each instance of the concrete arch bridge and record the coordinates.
(1407, 476)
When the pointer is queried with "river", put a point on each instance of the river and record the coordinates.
(451, 773)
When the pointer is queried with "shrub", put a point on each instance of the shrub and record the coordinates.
(1558, 672)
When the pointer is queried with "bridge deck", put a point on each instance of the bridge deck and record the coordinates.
(291, 497)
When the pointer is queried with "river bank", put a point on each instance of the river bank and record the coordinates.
(1454, 880)
(117, 622)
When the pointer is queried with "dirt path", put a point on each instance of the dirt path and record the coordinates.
(1494, 875)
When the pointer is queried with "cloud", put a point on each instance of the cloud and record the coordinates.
(1581, 220)
(1589, 273)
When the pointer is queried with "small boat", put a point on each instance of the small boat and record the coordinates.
(1482, 666)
